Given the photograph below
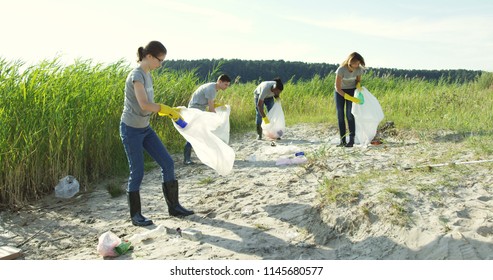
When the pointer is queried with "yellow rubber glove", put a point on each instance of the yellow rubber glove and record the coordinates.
(351, 98)
(266, 120)
(358, 86)
(169, 112)
(277, 99)
(218, 104)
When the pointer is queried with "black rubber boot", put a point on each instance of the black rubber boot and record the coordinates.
(170, 191)
(259, 131)
(135, 210)
(350, 143)
(343, 142)
(187, 155)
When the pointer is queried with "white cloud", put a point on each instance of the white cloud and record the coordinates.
(227, 20)
(412, 29)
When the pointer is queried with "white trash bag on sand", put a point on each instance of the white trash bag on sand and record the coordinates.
(277, 125)
(209, 148)
(67, 187)
(367, 117)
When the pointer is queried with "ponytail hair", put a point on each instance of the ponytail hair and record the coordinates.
(154, 48)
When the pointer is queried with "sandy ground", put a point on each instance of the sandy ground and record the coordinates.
(265, 211)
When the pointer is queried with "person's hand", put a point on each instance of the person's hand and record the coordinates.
(173, 113)
(277, 99)
(358, 86)
(352, 98)
(266, 120)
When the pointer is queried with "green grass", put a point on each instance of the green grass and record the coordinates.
(206, 181)
(341, 192)
(57, 120)
(116, 189)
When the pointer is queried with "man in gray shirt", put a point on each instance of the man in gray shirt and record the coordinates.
(203, 98)
(264, 95)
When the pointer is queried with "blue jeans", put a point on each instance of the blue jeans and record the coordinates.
(268, 102)
(135, 141)
(340, 103)
(187, 150)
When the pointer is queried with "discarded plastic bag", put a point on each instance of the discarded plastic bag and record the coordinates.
(298, 158)
(280, 150)
(290, 161)
(269, 153)
(108, 241)
(367, 117)
(277, 124)
(209, 148)
(67, 187)
(154, 233)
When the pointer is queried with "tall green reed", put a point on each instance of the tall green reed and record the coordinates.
(57, 120)
(428, 105)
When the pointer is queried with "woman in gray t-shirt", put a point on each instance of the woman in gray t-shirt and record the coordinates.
(137, 135)
(348, 77)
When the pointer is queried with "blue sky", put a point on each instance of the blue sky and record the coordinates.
(432, 34)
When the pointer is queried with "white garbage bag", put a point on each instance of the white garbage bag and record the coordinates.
(367, 117)
(277, 125)
(209, 148)
(222, 131)
(67, 187)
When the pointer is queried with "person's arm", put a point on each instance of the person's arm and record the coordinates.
(358, 82)
(262, 90)
(338, 86)
(141, 96)
(260, 106)
(161, 109)
(344, 94)
(210, 103)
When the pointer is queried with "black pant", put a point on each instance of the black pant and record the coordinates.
(340, 104)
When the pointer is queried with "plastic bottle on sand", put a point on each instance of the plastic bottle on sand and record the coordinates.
(138, 237)
(299, 157)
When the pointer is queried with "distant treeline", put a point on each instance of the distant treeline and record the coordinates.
(259, 70)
